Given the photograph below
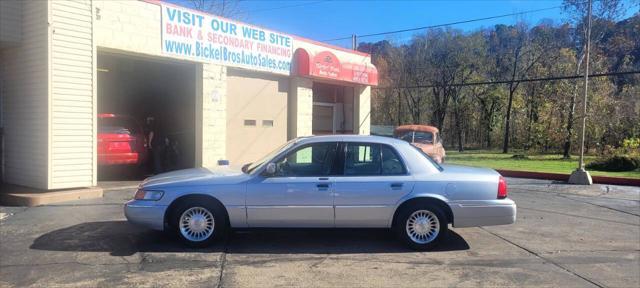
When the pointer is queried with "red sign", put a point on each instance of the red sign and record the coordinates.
(327, 66)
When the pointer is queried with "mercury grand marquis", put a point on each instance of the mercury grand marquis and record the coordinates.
(338, 181)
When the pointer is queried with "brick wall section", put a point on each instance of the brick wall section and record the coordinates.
(363, 110)
(214, 114)
(300, 107)
(128, 25)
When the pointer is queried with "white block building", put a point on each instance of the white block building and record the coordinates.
(228, 90)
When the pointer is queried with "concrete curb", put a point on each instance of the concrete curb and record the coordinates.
(109, 189)
(565, 177)
(22, 196)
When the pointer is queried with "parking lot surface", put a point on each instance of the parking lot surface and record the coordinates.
(565, 236)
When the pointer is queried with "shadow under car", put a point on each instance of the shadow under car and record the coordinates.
(119, 238)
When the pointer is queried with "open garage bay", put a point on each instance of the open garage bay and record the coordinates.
(157, 94)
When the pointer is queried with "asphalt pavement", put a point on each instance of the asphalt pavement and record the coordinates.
(565, 236)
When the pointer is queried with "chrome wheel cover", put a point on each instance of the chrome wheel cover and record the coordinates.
(423, 226)
(196, 224)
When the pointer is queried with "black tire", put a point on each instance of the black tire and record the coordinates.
(401, 230)
(220, 226)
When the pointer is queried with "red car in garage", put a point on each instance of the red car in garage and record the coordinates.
(121, 140)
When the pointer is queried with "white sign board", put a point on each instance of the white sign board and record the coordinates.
(207, 38)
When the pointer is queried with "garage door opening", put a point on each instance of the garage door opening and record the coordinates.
(138, 95)
(332, 109)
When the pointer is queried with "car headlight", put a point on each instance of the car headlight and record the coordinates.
(152, 195)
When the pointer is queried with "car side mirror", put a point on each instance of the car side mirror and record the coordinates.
(270, 170)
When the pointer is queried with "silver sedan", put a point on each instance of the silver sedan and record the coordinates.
(340, 181)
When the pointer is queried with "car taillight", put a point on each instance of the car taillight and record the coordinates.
(502, 188)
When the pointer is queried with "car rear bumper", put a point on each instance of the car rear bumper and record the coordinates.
(145, 214)
(483, 213)
(119, 159)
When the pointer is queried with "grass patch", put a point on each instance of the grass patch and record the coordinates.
(551, 163)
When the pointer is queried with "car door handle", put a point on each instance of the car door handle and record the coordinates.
(323, 186)
(396, 186)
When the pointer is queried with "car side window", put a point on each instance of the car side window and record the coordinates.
(407, 137)
(307, 161)
(362, 159)
(370, 159)
(391, 164)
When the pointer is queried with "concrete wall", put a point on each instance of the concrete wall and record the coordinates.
(132, 26)
(211, 95)
(362, 115)
(25, 78)
(300, 104)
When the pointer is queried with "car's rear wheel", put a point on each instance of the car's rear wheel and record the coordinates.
(421, 226)
(198, 224)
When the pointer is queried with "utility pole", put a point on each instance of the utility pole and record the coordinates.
(354, 42)
(582, 176)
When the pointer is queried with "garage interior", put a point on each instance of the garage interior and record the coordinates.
(143, 87)
(332, 109)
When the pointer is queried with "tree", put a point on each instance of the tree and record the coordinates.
(515, 55)
(387, 107)
(469, 59)
(440, 61)
(603, 11)
(490, 101)
(441, 54)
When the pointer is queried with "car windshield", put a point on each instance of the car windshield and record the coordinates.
(255, 165)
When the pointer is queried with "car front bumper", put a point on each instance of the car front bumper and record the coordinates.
(483, 213)
(145, 214)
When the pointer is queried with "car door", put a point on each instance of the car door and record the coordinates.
(299, 194)
(374, 179)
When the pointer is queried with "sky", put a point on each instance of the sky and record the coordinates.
(329, 19)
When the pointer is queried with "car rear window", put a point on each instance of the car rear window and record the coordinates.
(117, 125)
(418, 137)
(435, 164)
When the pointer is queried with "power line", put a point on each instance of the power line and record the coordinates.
(555, 78)
(446, 24)
(287, 6)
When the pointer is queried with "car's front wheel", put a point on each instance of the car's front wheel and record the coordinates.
(198, 223)
(421, 226)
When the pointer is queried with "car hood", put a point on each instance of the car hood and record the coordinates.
(195, 177)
